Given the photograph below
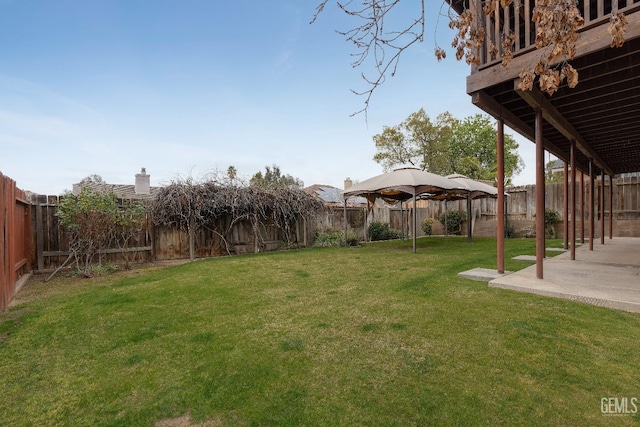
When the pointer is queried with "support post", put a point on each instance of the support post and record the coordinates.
(500, 202)
(610, 207)
(565, 213)
(540, 231)
(469, 229)
(572, 200)
(414, 221)
(401, 221)
(601, 203)
(592, 203)
(365, 227)
(581, 210)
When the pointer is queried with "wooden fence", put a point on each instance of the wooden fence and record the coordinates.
(15, 240)
(160, 243)
(520, 209)
(52, 242)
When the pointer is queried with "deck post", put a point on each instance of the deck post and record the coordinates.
(540, 237)
(610, 207)
(500, 204)
(572, 200)
(581, 203)
(601, 203)
(592, 202)
(565, 213)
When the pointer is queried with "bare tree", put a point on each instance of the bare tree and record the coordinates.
(372, 39)
(557, 24)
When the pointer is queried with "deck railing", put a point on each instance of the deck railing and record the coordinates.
(516, 20)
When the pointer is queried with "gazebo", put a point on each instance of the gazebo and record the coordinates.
(401, 185)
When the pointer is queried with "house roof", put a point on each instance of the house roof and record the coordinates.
(330, 195)
(120, 190)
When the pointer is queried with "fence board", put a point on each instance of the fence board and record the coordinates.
(15, 240)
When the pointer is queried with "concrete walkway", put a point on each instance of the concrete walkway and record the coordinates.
(608, 276)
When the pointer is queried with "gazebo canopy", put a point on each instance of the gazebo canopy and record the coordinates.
(403, 184)
(406, 183)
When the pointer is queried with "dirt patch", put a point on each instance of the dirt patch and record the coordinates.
(185, 421)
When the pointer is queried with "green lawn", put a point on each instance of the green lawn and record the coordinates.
(374, 335)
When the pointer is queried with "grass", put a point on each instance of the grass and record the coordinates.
(373, 335)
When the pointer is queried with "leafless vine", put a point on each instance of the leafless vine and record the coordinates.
(187, 205)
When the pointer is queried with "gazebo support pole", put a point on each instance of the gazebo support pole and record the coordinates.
(572, 200)
(415, 221)
(610, 207)
(446, 219)
(601, 207)
(469, 229)
(401, 221)
(501, 198)
(592, 203)
(540, 237)
(365, 229)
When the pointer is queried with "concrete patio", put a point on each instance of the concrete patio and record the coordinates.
(608, 276)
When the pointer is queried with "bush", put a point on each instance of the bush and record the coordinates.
(381, 231)
(551, 218)
(427, 226)
(453, 220)
(335, 238)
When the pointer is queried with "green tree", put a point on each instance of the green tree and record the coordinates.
(472, 150)
(273, 178)
(448, 145)
(417, 141)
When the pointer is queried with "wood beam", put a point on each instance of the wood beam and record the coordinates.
(490, 106)
(537, 100)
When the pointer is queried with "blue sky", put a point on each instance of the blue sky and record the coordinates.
(185, 88)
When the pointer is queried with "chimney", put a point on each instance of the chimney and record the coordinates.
(348, 183)
(143, 182)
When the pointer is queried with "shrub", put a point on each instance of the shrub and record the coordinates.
(551, 218)
(335, 238)
(453, 219)
(427, 226)
(381, 231)
(95, 221)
